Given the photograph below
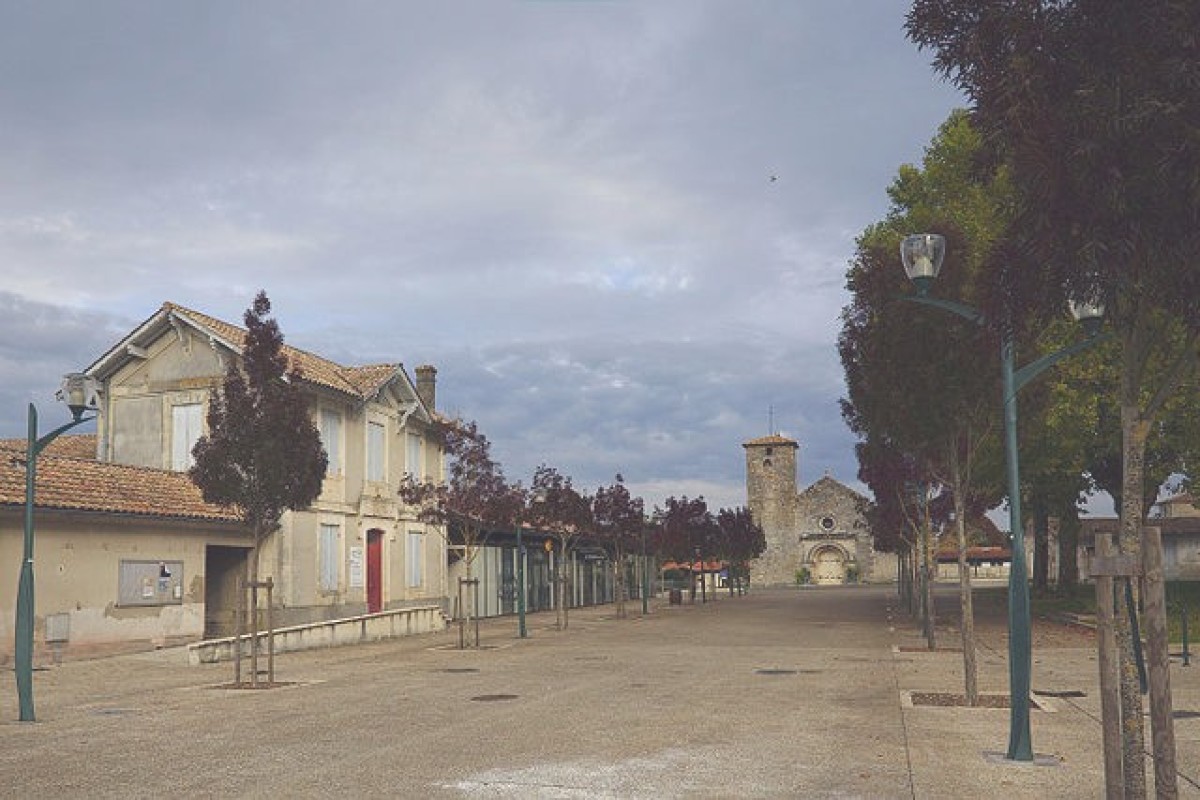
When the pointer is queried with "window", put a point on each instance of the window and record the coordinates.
(413, 458)
(415, 559)
(331, 439)
(327, 558)
(375, 451)
(187, 424)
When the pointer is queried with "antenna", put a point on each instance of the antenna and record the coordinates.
(771, 420)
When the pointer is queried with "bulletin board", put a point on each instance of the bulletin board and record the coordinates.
(150, 583)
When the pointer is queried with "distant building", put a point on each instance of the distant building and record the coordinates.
(819, 534)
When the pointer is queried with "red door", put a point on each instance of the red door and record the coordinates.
(374, 571)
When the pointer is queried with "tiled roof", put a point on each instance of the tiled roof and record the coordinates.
(77, 445)
(357, 381)
(774, 439)
(80, 484)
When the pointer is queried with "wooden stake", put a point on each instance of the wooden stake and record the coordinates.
(1162, 725)
(1110, 685)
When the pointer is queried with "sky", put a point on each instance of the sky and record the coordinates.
(619, 230)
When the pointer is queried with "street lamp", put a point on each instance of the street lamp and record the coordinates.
(535, 496)
(81, 394)
(922, 255)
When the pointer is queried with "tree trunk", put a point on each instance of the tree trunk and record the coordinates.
(966, 601)
(929, 570)
(1068, 544)
(1041, 544)
(1134, 432)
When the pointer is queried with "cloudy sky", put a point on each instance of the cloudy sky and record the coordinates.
(619, 229)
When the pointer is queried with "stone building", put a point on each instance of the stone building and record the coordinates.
(819, 534)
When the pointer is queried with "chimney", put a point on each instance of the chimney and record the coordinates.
(427, 385)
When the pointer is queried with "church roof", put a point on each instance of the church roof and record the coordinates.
(773, 439)
(827, 482)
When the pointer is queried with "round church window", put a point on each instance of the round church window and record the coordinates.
(827, 523)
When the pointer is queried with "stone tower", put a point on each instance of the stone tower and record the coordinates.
(771, 495)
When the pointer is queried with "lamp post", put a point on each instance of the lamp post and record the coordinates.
(520, 583)
(645, 576)
(81, 394)
(922, 255)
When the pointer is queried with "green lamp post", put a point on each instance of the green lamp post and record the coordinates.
(81, 394)
(922, 255)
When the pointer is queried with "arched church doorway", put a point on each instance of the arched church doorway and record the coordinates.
(829, 566)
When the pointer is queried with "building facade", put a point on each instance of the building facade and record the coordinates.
(170, 560)
(818, 535)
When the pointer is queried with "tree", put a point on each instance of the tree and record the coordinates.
(914, 376)
(475, 501)
(262, 453)
(1093, 104)
(620, 520)
(566, 514)
(683, 528)
(742, 541)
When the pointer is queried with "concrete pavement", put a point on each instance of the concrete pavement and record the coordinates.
(778, 694)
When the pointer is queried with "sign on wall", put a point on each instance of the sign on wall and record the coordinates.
(356, 567)
(150, 583)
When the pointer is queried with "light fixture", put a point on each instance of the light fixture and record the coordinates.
(1088, 313)
(81, 393)
(922, 254)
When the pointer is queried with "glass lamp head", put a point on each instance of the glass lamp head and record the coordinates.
(922, 254)
(1088, 313)
(80, 392)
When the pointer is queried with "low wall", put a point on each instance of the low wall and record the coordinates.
(329, 633)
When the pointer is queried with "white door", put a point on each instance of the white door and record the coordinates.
(830, 567)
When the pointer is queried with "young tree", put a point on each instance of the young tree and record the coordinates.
(566, 514)
(683, 528)
(1092, 105)
(742, 541)
(620, 520)
(475, 501)
(915, 376)
(262, 453)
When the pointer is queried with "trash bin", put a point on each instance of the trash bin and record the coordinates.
(676, 597)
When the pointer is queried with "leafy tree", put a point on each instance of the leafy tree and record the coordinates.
(620, 520)
(1092, 104)
(474, 501)
(914, 376)
(742, 541)
(566, 514)
(684, 530)
(261, 454)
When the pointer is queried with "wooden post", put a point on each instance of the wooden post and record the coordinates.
(1110, 686)
(239, 624)
(270, 635)
(254, 634)
(1162, 726)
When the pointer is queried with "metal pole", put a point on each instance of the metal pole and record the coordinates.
(645, 578)
(1020, 746)
(520, 584)
(24, 622)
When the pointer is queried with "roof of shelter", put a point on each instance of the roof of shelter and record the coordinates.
(85, 484)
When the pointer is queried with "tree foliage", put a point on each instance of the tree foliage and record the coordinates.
(741, 540)
(261, 454)
(475, 500)
(1094, 105)
(618, 520)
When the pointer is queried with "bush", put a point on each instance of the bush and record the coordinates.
(803, 576)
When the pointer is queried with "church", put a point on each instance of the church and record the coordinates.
(816, 536)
